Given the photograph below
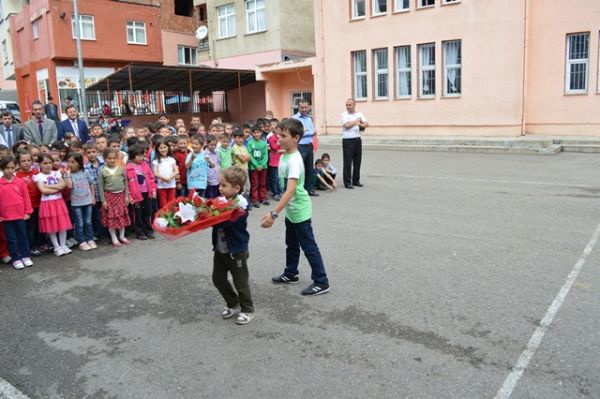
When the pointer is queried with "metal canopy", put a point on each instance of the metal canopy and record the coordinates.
(152, 77)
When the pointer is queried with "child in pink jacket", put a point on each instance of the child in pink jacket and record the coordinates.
(15, 208)
(142, 189)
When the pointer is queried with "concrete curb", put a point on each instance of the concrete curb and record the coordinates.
(8, 391)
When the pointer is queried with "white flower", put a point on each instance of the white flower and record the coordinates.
(187, 212)
(161, 222)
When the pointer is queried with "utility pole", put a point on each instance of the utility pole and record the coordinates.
(82, 101)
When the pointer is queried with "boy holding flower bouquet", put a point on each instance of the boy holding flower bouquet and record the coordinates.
(230, 246)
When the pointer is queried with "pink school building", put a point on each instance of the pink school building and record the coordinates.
(452, 67)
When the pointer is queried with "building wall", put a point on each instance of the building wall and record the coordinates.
(170, 41)
(492, 34)
(245, 61)
(550, 110)
(279, 87)
(7, 8)
(301, 36)
(253, 102)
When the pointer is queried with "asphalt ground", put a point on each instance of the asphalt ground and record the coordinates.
(441, 269)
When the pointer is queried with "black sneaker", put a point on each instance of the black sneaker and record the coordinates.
(314, 289)
(266, 203)
(256, 205)
(36, 252)
(283, 279)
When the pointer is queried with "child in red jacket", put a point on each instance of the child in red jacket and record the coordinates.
(15, 208)
(142, 189)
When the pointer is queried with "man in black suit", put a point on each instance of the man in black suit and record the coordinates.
(9, 132)
(73, 124)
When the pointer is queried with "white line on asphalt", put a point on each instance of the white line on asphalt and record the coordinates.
(536, 339)
(8, 391)
(535, 183)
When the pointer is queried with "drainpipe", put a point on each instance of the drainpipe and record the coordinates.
(525, 66)
(322, 78)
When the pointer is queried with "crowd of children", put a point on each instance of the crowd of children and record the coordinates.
(53, 198)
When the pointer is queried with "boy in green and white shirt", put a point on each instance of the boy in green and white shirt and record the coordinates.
(298, 213)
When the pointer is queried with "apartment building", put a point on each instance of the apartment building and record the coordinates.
(459, 67)
(8, 84)
(113, 34)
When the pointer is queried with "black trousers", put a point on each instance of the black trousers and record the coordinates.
(352, 150)
(143, 214)
(306, 150)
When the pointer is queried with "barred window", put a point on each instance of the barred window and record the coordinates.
(577, 62)
(427, 72)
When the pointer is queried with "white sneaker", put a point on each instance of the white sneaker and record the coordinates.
(27, 262)
(59, 251)
(92, 244)
(6, 260)
(84, 246)
(66, 250)
(18, 265)
(244, 318)
(229, 312)
(71, 242)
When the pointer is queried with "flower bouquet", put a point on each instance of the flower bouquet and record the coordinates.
(185, 215)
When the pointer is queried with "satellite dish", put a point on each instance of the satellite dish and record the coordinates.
(201, 32)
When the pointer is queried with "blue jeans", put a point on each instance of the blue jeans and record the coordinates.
(16, 235)
(273, 180)
(300, 235)
(84, 231)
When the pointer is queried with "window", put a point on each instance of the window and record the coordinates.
(359, 63)
(577, 62)
(358, 9)
(380, 59)
(5, 52)
(136, 32)
(298, 97)
(403, 72)
(255, 16)
(184, 8)
(401, 5)
(427, 73)
(379, 7)
(35, 30)
(187, 55)
(426, 3)
(226, 16)
(452, 68)
(1, 11)
(450, 1)
(86, 27)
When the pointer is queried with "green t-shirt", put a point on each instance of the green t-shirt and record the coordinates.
(291, 166)
(236, 151)
(259, 154)
(224, 157)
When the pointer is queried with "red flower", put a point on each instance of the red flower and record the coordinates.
(197, 201)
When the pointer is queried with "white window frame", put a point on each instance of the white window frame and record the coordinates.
(255, 10)
(426, 68)
(81, 23)
(229, 10)
(444, 2)
(133, 26)
(421, 3)
(401, 5)
(35, 29)
(379, 72)
(297, 97)
(577, 61)
(355, 9)
(375, 3)
(193, 55)
(361, 74)
(457, 67)
(403, 70)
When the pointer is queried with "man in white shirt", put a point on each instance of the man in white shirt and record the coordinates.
(353, 123)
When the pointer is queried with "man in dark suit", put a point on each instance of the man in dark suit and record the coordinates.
(51, 111)
(39, 130)
(73, 124)
(9, 132)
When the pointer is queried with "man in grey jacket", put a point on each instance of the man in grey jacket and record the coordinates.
(40, 130)
(10, 133)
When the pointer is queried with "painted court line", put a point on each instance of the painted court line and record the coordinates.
(536, 339)
(8, 391)
(476, 180)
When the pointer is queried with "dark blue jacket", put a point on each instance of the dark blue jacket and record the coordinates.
(236, 234)
(65, 126)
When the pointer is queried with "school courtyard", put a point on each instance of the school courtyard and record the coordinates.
(452, 276)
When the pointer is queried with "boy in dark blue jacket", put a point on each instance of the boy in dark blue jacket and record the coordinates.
(230, 244)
